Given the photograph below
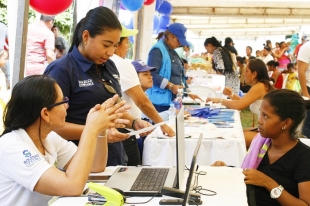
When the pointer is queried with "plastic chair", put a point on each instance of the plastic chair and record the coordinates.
(203, 91)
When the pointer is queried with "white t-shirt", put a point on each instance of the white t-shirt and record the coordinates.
(304, 55)
(128, 79)
(22, 165)
(268, 58)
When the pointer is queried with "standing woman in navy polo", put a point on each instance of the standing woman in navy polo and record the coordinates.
(88, 77)
(169, 76)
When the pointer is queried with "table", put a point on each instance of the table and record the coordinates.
(231, 150)
(227, 182)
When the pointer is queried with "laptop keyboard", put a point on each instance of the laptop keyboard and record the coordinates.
(150, 179)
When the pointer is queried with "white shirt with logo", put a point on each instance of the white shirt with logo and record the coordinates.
(128, 79)
(22, 165)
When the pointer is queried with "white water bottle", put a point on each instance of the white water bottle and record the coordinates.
(172, 112)
(178, 100)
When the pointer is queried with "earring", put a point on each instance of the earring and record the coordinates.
(85, 43)
(283, 127)
(50, 125)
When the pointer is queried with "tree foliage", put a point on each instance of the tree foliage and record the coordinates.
(64, 20)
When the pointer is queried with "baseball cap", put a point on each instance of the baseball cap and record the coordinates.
(179, 31)
(140, 66)
(128, 32)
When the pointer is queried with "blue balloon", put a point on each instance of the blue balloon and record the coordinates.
(132, 5)
(158, 4)
(155, 22)
(165, 8)
(163, 22)
(131, 39)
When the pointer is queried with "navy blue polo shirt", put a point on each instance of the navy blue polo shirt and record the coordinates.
(80, 82)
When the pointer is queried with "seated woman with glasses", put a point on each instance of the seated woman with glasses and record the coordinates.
(87, 76)
(36, 163)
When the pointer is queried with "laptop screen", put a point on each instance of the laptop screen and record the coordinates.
(180, 147)
(191, 171)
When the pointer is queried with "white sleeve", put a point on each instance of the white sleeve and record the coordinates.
(65, 149)
(304, 53)
(23, 165)
(128, 75)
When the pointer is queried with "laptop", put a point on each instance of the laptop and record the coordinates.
(191, 173)
(142, 181)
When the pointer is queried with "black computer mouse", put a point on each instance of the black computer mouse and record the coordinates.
(121, 192)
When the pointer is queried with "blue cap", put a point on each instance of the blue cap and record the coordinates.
(179, 31)
(140, 66)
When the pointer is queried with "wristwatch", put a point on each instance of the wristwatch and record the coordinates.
(276, 192)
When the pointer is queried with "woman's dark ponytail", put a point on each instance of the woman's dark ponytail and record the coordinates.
(76, 37)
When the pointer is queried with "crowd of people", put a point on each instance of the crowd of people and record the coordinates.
(76, 105)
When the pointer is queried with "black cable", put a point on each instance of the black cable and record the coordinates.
(142, 202)
(198, 188)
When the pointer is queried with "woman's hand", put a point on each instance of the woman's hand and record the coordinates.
(140, 124)
(255, 177)
(228, 91)
(175, 88)
(218, 164)
(167, 130)
(213, 100)
(107, 115)
(194, 97)
(115, 136)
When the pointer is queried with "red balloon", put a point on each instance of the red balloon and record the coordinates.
(51, 7)
(148, 2)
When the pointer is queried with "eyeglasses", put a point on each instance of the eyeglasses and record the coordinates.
(64, 101)
(111, 90)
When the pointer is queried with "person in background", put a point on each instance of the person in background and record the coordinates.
(133, 94)
(276, 74)
(36, 163)
(277, 164)
(259, 54)
(303, 61)
(60, 41)
(40, 45)
(59, 50)
(169, 76)
(187, 67)
(248, 54)
(255, 75)
(304, 39)
(222, 63)
(229, 45)
(292, 82)
(282, 58)
(268, 44)
(244, 87)
(87, 76)
(4, 84)
(267, 55)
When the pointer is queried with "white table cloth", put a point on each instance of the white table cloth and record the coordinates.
(231, 149)
(227, 182)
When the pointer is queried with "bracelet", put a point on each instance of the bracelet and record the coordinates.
(170, 86)
(103, 136)
(133, 122)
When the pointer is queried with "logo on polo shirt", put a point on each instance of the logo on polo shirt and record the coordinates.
(86, 83)
(31, 159)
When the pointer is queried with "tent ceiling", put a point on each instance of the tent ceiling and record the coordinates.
(241, 19)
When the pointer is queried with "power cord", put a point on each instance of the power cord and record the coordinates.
(198, 188)
(142, 202)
